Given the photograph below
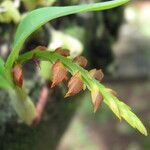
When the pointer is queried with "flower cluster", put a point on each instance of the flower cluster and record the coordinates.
(76, 83)
(60, 74)
(80, 79)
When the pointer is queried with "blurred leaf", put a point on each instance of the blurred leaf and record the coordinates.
(35, 19)
(4, 84)
(32, 4)
(11, 14)
(1, 66)
(60, 39)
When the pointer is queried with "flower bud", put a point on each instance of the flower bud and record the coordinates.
(97, 99)
(75, 85)
(97, 74)
(41, 48)
(81, 61)
(111, 91)
(17, 75)
(63, 52)
(59, 73)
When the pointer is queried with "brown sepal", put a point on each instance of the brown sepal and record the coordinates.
(111, 91)
(75, 85)
(17, 75)
(59, 73)
(97, 99)
(81, 61)
(97, 74)
(41, 48)
(63, 52)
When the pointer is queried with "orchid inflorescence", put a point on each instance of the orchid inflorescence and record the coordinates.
(80, 80)
(11, 74)
(60, 73)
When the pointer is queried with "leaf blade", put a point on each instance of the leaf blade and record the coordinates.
(41, 16)
(4, 84)
(1, 66)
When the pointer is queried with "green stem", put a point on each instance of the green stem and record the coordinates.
(23, 104)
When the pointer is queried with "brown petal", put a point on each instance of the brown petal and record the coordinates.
(17, 75)
(75, 85)
(97, 74)
(111, 91)
(97, 99)
(81, 61)
(41, 48)
(59, 73)
(63, 52)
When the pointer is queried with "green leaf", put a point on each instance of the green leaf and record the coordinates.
(4, 84)
(3, 76)
(1, 66)
(35, 19)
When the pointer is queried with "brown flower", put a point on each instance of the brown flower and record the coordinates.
(59, 73)
(97, 99)
(63, 52)
(97, 74)
(41, 48)
(17, 75)
(81, 61)
(75, 85)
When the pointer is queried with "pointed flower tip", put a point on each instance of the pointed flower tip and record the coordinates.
(17, 74)
(75, 85)
(53, 85)
(63, 52)
(97, 74)
(67, 95)
(81, 61)
(97, 99)
(59, 73)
